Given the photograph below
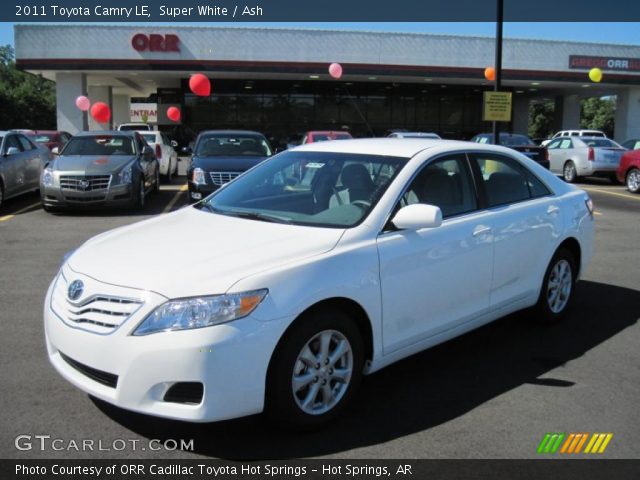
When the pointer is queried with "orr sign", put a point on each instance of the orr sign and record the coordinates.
(604, 63)
(155, 42)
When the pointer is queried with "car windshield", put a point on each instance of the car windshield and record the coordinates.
(600, 142)
(127, 128)
(322, 189)
(227, 145)
(149, 137)
(323, 137)
(41, 138)
(100, 145)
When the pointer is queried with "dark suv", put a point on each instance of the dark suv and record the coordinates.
(219, 156)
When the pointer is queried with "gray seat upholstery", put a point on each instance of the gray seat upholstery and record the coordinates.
(357, 185)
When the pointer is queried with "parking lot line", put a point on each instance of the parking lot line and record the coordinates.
(597, 213)
(175, 198)
(18, 212)
(609, 192)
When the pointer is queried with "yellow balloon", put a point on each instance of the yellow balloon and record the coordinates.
(595, 74)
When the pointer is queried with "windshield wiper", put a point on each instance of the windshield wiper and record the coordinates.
(263, 217)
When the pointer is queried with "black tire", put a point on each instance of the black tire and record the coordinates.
(169, 176)
(569, 172)
(1, 195)
(543, 311)
(156, 185)
(632, 180)
(139, 199)
(281, 406)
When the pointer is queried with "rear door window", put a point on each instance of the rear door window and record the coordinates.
(503, 179)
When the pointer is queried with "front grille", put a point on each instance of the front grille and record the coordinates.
(97, 313)
(220, 178)
(105, 378)
(85, 183)
(185, 392)
(88, 198)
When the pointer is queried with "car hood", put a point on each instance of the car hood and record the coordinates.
(193, 252)
(92, 164)
(226, 164)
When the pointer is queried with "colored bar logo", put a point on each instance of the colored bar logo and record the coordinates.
(573, 443)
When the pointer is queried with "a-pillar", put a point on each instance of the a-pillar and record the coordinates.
(70, 86)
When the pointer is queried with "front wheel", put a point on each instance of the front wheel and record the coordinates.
(569, 172)
(138, 200)
(169, 175)
(633, 180)
(315, 370)
(557, 292)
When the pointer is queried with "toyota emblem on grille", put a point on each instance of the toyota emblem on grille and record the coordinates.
(84, 184)
(75, 290)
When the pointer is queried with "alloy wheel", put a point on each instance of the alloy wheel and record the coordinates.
(559, 286)
(633, 181)
(569, 172)
(322, 372)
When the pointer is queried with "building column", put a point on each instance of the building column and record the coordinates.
(70, 86)
(627, 119)
(101, 94)
(520, 115)
(570, 112)
(121, 110)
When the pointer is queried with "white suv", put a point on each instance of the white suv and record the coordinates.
(575, 133)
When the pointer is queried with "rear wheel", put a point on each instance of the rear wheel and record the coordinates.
(569, 172)
(557, 292)
(1, 194)
(633, 180)
(138, 201)
(315, 370)
(169, 175)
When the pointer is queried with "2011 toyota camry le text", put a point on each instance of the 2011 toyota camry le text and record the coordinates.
(321, 264)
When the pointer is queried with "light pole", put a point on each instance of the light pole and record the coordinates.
(498, 64)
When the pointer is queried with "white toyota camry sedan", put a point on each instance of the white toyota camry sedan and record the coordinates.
(319, 265)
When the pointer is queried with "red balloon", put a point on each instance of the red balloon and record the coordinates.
(100, 112)
(200, 85)
(173, 113)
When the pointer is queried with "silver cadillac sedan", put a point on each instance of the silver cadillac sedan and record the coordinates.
(100, 169)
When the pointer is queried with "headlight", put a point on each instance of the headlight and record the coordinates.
(197, 176)
(47, 177)
(125, 175)
(199, 312)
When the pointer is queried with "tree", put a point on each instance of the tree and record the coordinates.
(541, 119)
(598, 114)
(28, 101)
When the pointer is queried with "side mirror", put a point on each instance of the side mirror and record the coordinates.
(417, 216)
(174, 144)
(55, 151)
(12, 151)
(147, 151)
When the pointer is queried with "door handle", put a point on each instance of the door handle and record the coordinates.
(553, 210)
(481, 230)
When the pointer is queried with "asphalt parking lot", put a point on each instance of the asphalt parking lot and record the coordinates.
(492, 393)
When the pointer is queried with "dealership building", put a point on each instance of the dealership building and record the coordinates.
(276, 80)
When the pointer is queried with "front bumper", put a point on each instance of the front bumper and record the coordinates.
(115, 195)
(229, 360)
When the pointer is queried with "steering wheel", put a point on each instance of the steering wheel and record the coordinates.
(361, 203)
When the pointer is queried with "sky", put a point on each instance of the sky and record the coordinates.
(620, 33)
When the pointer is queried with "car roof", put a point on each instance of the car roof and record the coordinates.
(326, 132)
(231, 132)
(406, 148)
(92, 133)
